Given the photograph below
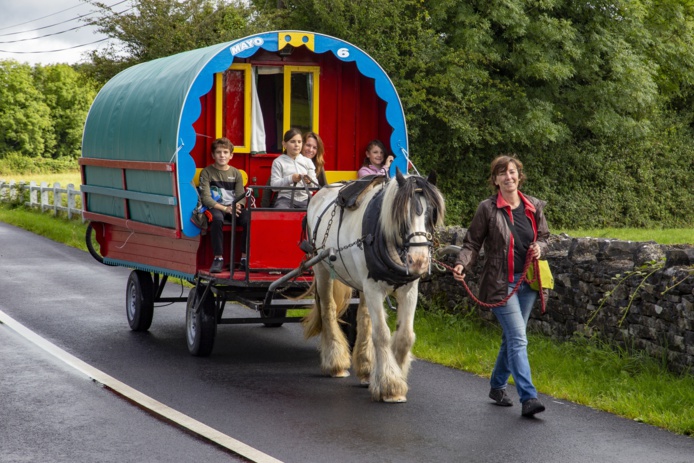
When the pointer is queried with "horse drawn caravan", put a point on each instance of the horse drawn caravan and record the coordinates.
(148, 135)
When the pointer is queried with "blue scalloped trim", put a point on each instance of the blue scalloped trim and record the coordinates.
(149, 268)
(222, 59)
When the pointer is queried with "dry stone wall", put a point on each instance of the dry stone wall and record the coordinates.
(639, 295)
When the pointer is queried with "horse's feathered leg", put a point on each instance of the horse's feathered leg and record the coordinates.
(363, 353)
(334, 349)
(404, 336)
(387, 381)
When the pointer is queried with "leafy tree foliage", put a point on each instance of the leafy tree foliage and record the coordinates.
(157, 28)
(42, 110)
(595, 97)
(68, 96)
(25, 123)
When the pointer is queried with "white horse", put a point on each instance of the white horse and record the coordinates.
(384, 245)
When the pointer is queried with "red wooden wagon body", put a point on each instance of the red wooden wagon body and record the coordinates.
(148, 135)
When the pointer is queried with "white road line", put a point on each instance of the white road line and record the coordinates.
(139, 398)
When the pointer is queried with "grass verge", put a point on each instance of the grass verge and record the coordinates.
(583, 371)
(661, 236)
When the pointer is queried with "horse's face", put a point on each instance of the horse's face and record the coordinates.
(416, 210)
(417, 243)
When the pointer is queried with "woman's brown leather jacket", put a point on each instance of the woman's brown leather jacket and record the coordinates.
(489, 229)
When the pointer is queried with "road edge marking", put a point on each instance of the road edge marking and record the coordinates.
(139, 398)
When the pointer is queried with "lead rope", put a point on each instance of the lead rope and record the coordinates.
(528, 261)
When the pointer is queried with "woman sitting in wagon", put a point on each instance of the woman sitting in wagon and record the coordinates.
(292, 169)
(314, 149)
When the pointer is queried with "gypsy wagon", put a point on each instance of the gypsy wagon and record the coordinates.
(148, 135)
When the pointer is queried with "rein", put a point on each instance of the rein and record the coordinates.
(529, 260)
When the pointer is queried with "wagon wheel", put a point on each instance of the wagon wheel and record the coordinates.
(139, 300)
(201, 324)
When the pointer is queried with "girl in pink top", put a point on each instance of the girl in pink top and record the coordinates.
(376, 162)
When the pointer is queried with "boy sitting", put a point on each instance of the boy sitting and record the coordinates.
(226, 181)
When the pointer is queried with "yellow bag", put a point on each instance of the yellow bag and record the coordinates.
(545, 276)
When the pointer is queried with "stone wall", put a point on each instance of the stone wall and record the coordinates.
(638, 295)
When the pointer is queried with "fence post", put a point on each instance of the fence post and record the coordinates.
(56, 198)
(70, 199)
(44, 196)
(3, 186)
(32, 194)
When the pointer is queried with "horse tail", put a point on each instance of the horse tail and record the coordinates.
(313, 322)
(341, 294)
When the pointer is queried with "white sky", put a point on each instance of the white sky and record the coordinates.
(19, 20)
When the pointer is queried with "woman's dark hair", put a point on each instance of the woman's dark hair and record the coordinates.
(291, 133)
(500, 165)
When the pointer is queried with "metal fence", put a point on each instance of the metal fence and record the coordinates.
(47, 198)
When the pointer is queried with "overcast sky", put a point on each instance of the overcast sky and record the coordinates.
(20, 19)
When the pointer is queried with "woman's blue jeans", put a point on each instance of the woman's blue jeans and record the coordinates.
(513, 354)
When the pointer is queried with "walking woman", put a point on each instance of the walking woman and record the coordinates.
(506, 252)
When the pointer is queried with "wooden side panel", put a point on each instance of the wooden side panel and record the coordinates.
(150, 250)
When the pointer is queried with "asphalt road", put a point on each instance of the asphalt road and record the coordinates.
(261, 386)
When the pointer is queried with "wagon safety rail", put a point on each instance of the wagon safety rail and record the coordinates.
(47, 198)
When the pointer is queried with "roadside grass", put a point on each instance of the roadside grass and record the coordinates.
(60, 229)
(661, 236)
(64, 178)
(582, 371)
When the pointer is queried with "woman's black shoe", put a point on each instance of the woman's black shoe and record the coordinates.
(531, 407)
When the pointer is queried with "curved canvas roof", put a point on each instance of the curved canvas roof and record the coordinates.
(147, 112)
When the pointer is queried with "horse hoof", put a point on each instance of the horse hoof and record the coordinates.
(340, 374)
(395, 400)
(364, 382)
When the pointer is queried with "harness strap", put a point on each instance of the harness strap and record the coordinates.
(320, 217)
(339, 224)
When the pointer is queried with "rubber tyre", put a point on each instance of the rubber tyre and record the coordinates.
(201, 326)
(139, 300)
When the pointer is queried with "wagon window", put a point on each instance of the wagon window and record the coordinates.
(284, 97)
(234, 99)
(301, 97)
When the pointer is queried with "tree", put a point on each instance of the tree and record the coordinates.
(68, 95)
(156, 28)
(25, 123)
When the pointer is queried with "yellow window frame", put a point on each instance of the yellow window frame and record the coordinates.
(219, 105)
(286, 117)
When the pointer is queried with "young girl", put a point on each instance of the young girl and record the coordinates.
(314, 149)
(292, 169)
(376, 162)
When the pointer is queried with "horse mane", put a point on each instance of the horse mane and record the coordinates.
(396, 213)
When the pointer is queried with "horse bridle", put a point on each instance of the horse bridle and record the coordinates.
(407, 240)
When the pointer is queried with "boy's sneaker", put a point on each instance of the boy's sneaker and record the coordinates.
(500, 397)
(531, 407)
(217, 265)
(242, 264)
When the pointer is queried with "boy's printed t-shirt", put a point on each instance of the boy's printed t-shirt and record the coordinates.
(227, 184)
